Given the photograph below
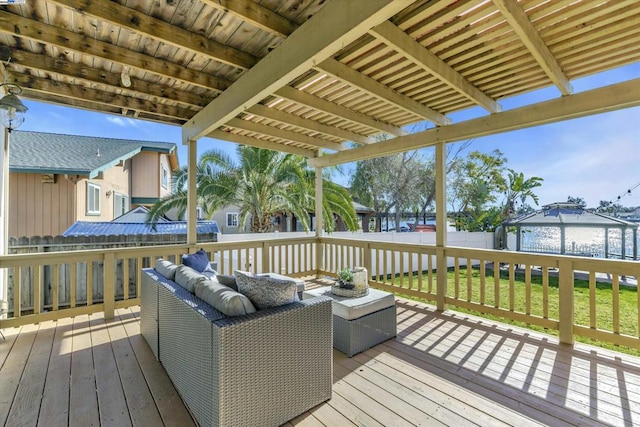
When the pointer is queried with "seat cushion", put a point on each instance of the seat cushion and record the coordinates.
(223, 298)
(265, 291)
(187, 277)
(355, 308)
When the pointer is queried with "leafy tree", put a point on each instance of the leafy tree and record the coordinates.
(263, 183)
(474, 183)
(388, 184)
(577, 200)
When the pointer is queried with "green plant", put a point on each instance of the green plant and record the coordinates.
(346, 275)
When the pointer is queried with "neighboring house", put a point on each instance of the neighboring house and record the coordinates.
(56, 180)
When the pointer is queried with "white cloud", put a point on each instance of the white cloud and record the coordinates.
(122, 121)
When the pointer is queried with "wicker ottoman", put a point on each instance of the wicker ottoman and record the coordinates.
(360, 323)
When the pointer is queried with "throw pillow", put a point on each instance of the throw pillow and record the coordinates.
(210, 272)
(187, 277)
(199, 261)
(166, 268)
(265, 292)
(223, 298)
(227, 280)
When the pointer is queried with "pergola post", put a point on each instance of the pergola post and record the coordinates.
(319, 222)
(4, 217)
(192, 199)
(441, 225)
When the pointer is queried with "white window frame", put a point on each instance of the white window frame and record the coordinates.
(164, 177)
(126, 207)
(233, 219)
(93, 198)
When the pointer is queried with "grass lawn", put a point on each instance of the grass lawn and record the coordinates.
(628, 301)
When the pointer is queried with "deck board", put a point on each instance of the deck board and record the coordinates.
(443, 369)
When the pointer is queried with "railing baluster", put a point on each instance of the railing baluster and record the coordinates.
(545, 292)
(430, 273)
(496, 283)
(527, 285)
(592, 300)
(410, 254)
(469, 277)
(109, 283)
(17, 291)
(615, 289)
(456, 277)
(512, 286)
(37, 292)
(420, 271)
(483, 272)
(55, 286)
(125, 278)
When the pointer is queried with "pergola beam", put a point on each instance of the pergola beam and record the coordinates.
(260, 143)
(310, 44)
(424, 58)
(257, 15)
(160, 30)
(365, 83)
(520, 23)
(35, 31)
(83, 72)
(312, 125)
(275, 132)
(317, 103)
(596, 101)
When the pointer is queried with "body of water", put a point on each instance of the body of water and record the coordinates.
(578, 241)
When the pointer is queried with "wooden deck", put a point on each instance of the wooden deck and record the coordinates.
(443, 369)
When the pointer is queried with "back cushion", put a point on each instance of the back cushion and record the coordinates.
(187, 277)
(264, 291)
(223, 298)
(166, 268)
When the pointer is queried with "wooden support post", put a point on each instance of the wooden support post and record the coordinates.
(192, 199)
(109, 280)
(441, 226)
(565, 303)
(319, 222)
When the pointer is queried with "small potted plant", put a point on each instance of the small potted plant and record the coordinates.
(345, 278)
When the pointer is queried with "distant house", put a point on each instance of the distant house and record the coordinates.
(56, 180)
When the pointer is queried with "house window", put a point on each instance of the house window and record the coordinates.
(232, 219)
(165, 177)
(120, 204)
(93, 199)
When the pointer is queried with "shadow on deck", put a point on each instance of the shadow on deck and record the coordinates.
(442, 369)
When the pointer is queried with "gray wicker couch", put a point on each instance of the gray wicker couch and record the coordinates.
(257, 369)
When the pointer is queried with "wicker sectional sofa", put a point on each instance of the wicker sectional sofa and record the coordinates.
(256, 369)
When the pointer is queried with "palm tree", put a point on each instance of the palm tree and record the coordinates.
(521, 189)
(262, 183)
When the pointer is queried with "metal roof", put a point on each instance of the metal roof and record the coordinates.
(40, 152)
(88, 228)
(569, 215)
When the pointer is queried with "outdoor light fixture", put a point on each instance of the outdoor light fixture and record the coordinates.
(12, 110)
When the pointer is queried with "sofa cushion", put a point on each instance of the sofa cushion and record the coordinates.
(199, 261)
(227, 280)
(187, 277)
(264, 291)
(223, 298)
(166, 268)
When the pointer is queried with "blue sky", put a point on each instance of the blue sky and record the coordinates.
(596, 157)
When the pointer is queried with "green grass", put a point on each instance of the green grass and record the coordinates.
(628, 301)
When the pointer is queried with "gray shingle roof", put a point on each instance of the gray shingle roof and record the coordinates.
(39, 152)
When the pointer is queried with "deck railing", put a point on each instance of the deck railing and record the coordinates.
(48, 286)
(551, 291)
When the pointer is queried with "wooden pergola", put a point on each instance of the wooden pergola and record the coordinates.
(322, 78)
